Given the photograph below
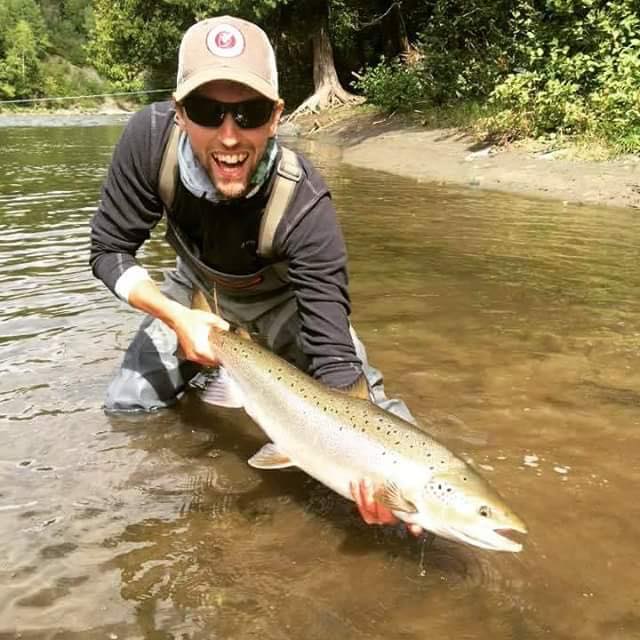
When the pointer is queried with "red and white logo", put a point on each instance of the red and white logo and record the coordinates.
(225, 41)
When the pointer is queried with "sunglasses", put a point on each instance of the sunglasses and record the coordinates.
(249, 114)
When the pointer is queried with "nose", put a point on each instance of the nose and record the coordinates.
(228, 131)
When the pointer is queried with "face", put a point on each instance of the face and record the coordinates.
(229, 153)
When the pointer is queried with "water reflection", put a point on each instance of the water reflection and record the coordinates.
(509, 326)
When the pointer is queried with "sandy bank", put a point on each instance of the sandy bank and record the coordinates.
(449, 156)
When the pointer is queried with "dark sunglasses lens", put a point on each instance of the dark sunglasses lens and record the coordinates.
(205, 112)
(210, 113)
(253, 113)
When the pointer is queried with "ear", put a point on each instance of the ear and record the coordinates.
(275, 118)
(180, 116)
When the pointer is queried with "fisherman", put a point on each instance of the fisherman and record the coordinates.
(252, 223)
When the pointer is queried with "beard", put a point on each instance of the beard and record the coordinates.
(230, 186)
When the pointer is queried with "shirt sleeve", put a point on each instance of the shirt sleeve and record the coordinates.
(129, 207)
(313, 243)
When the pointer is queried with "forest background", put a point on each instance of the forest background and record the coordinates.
(515, 69)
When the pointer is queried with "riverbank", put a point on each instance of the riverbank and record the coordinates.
(404, 147)
(453, 156)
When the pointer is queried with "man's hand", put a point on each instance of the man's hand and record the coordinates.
(373, 512)
(192, 326)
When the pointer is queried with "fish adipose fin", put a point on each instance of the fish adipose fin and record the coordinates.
(390, 495)
(222, 391)
(270, 457)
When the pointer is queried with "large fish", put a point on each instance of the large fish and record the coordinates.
(338, 439)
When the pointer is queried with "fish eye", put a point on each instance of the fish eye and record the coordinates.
(484, 511)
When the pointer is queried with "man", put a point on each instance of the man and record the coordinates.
(252, 224)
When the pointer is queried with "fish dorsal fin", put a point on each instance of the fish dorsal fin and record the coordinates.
(390, 495)
(270, 457)
(222, 391)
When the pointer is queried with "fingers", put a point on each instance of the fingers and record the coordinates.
(218, 323)
(360, 493)
(211, 320)
(372, 512)
(194, 331)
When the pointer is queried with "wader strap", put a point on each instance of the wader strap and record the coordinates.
(169, 169)
(288, 175)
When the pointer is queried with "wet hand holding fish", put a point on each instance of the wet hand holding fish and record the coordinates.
(338, 439)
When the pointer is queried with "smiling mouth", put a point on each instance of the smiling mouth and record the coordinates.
(230, 161)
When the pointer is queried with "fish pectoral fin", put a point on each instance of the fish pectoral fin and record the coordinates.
(222, 391)
(390, 495)
(270, 457)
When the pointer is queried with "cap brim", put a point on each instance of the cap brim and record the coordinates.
(224, 73)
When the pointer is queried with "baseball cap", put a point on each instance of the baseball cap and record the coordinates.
(226, 48)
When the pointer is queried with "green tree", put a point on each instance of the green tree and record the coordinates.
(20, 68)
(136, 42)
(12, 12)
(68, 23)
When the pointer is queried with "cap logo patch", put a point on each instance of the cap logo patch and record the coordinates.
(225, 41)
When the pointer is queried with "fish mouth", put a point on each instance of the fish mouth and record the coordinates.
(492, 539)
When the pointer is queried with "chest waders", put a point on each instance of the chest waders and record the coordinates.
(262, 302)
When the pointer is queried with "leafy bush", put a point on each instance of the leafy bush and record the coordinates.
(393, 86)
(583, 75)
(563, 66)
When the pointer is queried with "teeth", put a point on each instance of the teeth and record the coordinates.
(231, 158)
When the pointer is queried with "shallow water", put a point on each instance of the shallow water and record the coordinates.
(510, 327)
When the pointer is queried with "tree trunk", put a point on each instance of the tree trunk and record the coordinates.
(398, 31)
(328, 92)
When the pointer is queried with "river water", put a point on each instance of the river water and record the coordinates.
(509, 326)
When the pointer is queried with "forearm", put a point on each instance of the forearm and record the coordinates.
(318, 274)
(192, 326)
(145, 296)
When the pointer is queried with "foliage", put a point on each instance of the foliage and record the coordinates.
(539, 66)
(69, 23)
(393, 86)
(22, 43)
(30, 32)
(126, 38)
(583, 74)
(564, 66)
